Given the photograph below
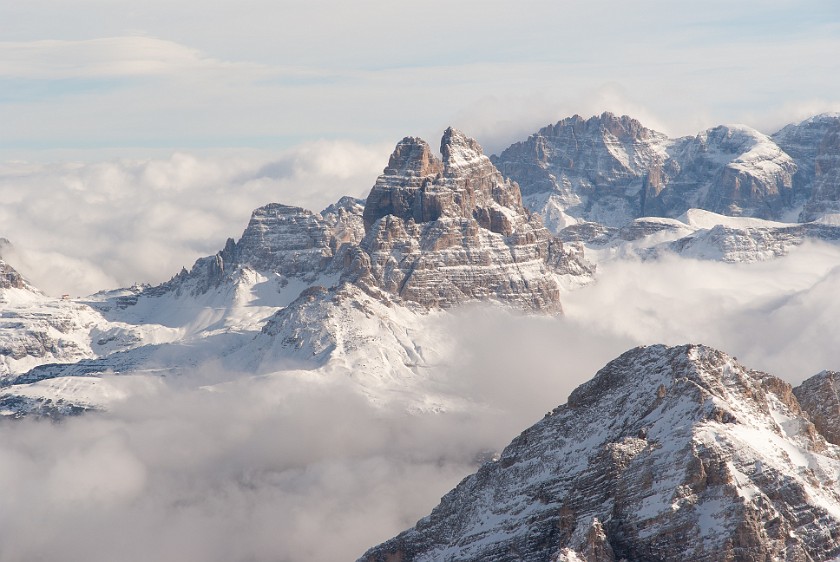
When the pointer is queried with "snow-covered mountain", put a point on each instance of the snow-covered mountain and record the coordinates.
(36, 328)
(611, 170)
(303, 290)
(300, 290)
(666, 454)
(593, 169)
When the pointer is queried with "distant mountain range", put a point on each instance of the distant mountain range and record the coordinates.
(611, 170)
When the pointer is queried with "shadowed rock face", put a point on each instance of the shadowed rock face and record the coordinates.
(667, 454)
(442, 232)
(820, 398)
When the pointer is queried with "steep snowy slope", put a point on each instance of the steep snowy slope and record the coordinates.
(666, 454)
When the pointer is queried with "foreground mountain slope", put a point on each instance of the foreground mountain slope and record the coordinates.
(666, 454)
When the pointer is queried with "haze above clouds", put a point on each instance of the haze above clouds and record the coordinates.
(77, 228)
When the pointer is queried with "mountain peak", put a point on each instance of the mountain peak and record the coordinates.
(413, 157)
(459, 151)
(425, 229)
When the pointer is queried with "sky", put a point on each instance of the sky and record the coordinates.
(101, 75)
(137, 137)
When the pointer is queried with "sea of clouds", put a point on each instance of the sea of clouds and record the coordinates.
(284, 468)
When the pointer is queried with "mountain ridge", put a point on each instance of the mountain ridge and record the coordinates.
(660, 456)
(629, 171)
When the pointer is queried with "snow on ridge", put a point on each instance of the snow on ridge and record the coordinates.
(701, 218)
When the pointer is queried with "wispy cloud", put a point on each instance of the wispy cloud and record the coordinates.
(106, 57)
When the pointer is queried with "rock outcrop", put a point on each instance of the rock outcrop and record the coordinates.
(667, 454)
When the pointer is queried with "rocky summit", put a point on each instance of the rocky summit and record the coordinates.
(443, 232)
(667, 454)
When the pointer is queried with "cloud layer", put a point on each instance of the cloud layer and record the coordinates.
(287, 467)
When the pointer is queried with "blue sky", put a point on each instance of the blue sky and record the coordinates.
(185, 75)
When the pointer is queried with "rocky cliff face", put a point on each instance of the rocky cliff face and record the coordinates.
(443, 232)
(667, 454)
(731, 170)
(610, 170)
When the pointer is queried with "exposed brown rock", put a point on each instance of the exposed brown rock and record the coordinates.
(819, 396)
